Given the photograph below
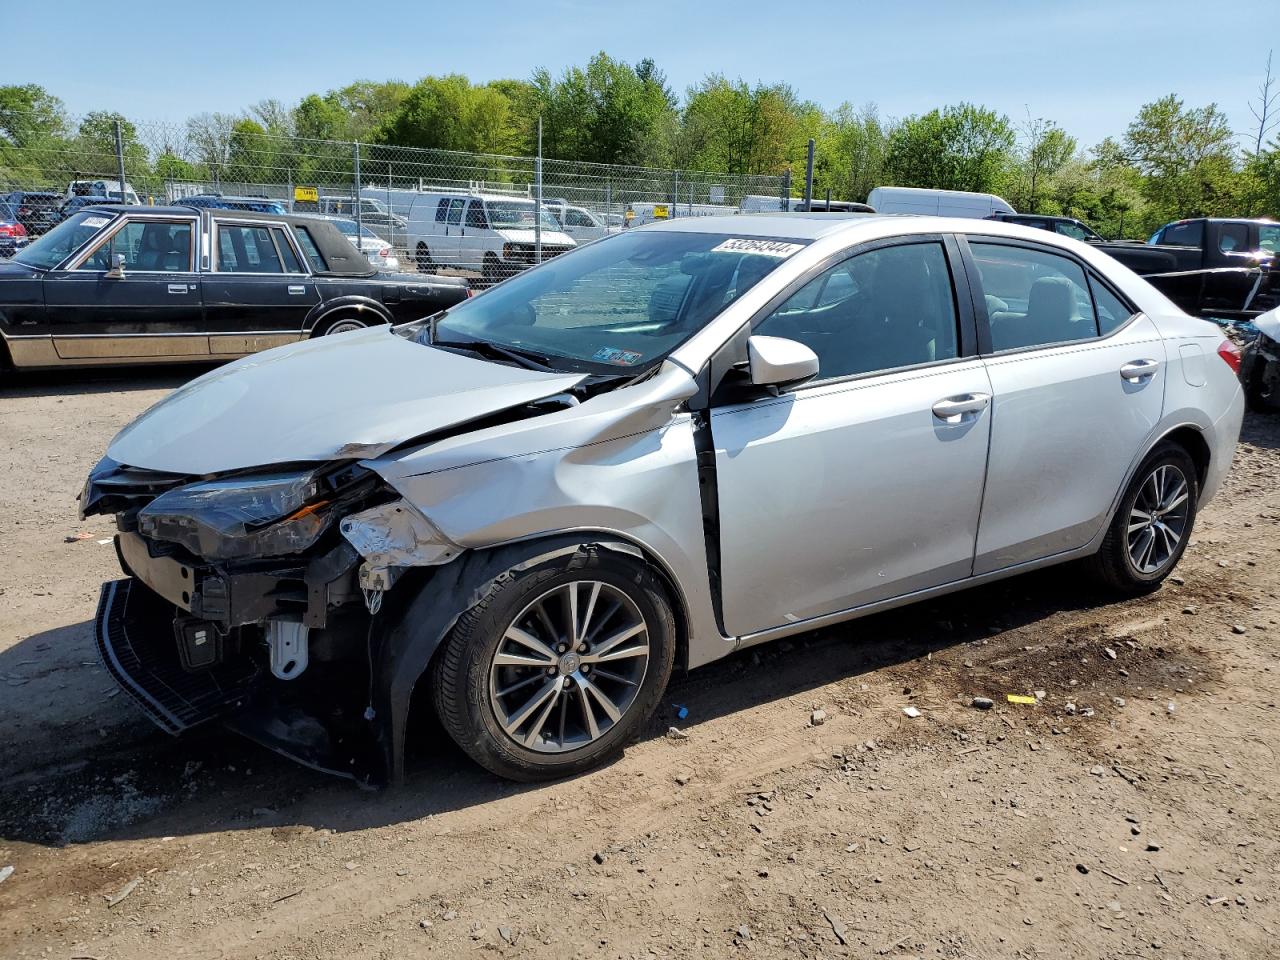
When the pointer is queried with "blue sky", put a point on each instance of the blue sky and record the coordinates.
(1088, 65)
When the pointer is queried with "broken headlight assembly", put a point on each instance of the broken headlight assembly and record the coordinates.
(249, 516)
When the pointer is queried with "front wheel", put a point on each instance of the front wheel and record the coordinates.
(1151, 528)
(340, 324)
(558, 667)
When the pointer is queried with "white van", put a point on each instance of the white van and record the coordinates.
(937, 203)
(489, 234)
(102, 188)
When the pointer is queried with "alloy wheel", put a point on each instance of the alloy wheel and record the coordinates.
(569, 667)
(345, 326)
(1158, 519)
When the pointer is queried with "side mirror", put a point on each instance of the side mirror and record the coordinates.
(117, 267)
(777, 362)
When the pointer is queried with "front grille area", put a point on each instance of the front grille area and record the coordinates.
(522, 253)
(134, 633)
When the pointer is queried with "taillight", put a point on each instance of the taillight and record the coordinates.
(384, 251)
(1230, 353)
(470, 293)
(12, 230)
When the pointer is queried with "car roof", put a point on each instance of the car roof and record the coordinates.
(795, 226)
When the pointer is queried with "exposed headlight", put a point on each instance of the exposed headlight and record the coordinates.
(264, 515)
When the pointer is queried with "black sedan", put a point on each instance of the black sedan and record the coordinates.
(136, 284)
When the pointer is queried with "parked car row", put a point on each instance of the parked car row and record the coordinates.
(136, 284)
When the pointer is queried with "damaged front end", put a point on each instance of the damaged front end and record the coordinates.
(253, 599)
(1260, 365)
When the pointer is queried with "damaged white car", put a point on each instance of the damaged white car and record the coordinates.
(668, 445)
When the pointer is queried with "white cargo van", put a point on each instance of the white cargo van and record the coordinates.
(937, 203)
(489, 234)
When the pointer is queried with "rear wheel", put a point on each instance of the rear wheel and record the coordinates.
(344, 323)
(423, 257)
(1151, 528)
(558, 667)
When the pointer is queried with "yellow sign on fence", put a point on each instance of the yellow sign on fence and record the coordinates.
(659, 211)
(306, 195)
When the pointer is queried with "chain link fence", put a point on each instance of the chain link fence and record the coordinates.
(438, 210)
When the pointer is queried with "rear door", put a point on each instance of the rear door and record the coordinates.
(258, 291)
(152, 310)
(1077, 378)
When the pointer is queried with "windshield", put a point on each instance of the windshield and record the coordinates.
(59, 243)
(514, 214)
(348, 227)
(622, 302)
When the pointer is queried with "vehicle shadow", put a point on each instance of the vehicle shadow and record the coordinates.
(1261, 430)
(84, 381)
(140, 783)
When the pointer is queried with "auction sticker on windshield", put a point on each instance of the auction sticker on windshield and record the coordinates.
(620, 358)
(766, 248)
(96, 221)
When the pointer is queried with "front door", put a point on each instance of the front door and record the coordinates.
(866, 483)
(149, 310)
(258, 294)
(1078, 386)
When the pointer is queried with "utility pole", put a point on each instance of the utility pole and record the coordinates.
(537, 198)
(808, 177)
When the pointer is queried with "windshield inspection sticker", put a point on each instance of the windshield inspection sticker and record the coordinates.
(619, 358)
(95, 221)
(765, 248)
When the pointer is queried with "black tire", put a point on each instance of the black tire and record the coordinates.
(492, 270)
(342, 323)
(422, 256)
(1113, 565)
(460, 672)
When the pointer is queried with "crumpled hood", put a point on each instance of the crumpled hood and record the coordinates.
(350, 395)
(1269, 323)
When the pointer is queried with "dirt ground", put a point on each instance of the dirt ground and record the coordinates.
(1133, 812)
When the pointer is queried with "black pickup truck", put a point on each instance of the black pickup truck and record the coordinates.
(1210, 267)
(134, 284)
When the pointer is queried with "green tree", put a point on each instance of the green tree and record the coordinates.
(746, 130)
(1187, 157)
(962, 147)
(33, 142)
(1045, 151)
(449, 113)
(95, 147)
(852, 145)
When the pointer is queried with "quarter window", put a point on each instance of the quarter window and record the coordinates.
(1034, 298)
(1112, 311)
(1269, 238)
(309, 250)
(886, 308)
(146, 245)
(291, 264)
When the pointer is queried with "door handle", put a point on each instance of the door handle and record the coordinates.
(297, 289)
(1137, 370)
(953, 408)
(177, 288)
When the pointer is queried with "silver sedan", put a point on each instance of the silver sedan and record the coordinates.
(671, 444)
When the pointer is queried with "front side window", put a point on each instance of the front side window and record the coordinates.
(149, 246)
(879, 310)
(247, 249)
(619, 305)
(442, 211)
(1073, 230)
(1034, 298)
(519, 215)
(1269, 237)
(455, 211)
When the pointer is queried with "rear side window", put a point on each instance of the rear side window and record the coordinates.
(1034, 298)
(475, 215)
(247, 250)
(1189, 234)
(455, 211)
(1112, 311)
(1233, 237)
(309, 250)
(878, 310)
